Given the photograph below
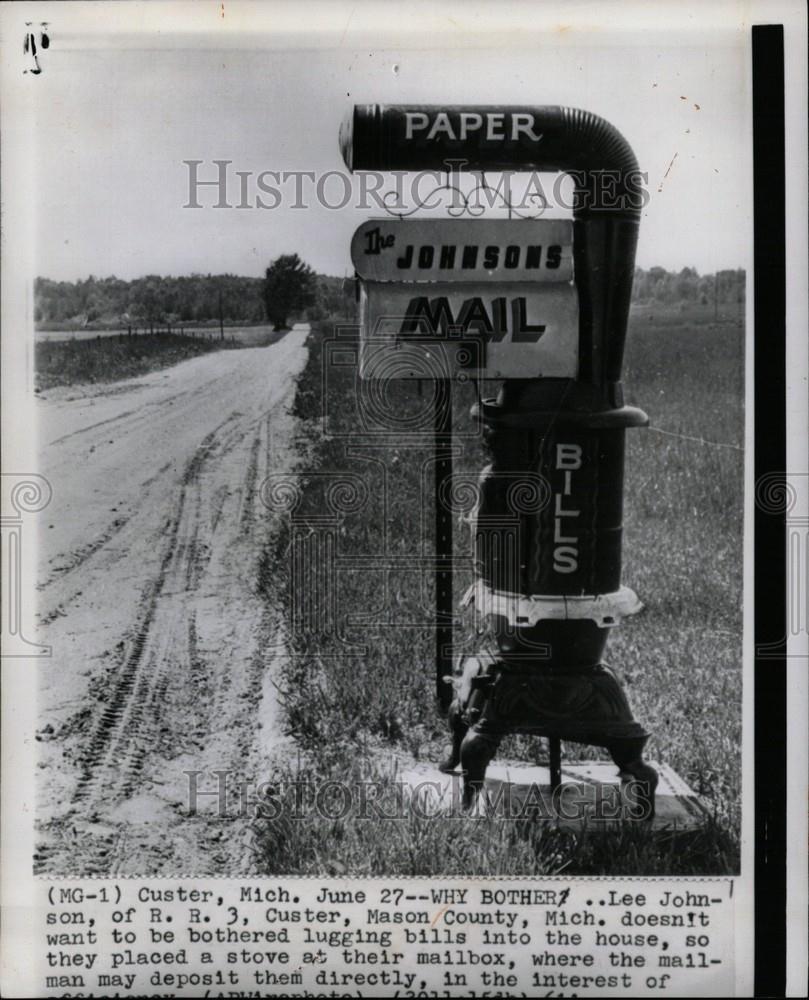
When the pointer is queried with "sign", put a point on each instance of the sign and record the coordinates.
(499, 330)
(491, 296)
(464, 250)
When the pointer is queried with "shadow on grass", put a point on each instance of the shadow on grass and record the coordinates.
(344, 816)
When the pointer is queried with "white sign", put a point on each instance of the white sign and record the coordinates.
(508, 330)
(464, 250)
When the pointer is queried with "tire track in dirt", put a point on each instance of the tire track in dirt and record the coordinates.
(133, 418)
(167, 638)
(164, 644)
(116, 745)
(75, 560)
(248, 497)
(91, 427)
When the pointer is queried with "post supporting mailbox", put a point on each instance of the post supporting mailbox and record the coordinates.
(542, 305)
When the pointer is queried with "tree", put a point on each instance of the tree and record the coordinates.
(289, 286)
(146, 299)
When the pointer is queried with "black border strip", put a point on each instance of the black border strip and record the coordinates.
(770, 526)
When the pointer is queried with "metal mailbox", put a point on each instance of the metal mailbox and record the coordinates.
(542, 305)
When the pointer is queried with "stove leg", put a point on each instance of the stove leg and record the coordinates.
(628, 755)
(477, 750)
(458, 729)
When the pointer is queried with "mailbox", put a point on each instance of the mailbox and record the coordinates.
(542, 305)
(490, 296)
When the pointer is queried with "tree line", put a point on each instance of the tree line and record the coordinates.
(290, 288)
(657, 285)
(195, 299)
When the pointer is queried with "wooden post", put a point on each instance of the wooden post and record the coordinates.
(555, 755)
(442, 454)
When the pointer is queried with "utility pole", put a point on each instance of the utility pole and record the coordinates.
(221, 325)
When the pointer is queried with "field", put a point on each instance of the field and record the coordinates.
(357, 682)
(66, 358)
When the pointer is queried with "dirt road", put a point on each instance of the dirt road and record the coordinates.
(162, 645)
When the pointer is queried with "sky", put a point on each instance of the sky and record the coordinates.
(115, 122)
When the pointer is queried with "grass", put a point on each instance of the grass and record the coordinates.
(355, 714)
(112, 358)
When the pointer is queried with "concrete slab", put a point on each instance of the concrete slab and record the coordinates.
(591, 793)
